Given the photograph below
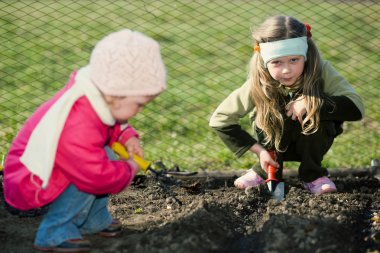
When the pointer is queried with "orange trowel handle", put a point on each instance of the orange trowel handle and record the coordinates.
(271, 171)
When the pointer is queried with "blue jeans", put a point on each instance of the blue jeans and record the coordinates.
(73, 214)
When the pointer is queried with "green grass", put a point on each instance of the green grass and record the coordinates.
(206, 46)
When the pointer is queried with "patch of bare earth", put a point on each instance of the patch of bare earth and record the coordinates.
(206, 213)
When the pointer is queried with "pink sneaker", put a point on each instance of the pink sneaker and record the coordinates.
(250, 179)
(320, 186)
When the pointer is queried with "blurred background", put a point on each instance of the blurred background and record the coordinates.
(206, 46)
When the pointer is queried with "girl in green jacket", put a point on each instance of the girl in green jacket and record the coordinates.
(297, 104)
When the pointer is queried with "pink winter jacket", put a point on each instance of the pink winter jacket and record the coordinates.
(80, 159)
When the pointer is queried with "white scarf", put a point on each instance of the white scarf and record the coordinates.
(40, 151)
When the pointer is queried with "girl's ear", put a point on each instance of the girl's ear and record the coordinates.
(116, 104)
(111, 101)
(108, 99)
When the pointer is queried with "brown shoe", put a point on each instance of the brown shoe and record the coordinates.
(73, 245)
(112, 230)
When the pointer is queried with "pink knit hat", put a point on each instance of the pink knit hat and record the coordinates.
(128, 63)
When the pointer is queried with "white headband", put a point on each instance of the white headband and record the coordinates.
(280, 48)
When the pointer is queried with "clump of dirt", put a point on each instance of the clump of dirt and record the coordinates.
(206, 213)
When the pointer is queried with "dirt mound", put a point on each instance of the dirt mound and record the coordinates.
(206, 213)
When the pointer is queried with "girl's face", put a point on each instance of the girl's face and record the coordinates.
(124, 108)
(286, 69)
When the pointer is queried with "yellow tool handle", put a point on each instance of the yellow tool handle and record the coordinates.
(123, 153)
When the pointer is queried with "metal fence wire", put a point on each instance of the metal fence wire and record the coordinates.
(206, 46)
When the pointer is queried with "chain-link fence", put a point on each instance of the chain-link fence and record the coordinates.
(206, 46)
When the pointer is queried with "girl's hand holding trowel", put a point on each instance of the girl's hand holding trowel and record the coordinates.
(264, 157)
(128, 156)
(133, 147)
(270, 165)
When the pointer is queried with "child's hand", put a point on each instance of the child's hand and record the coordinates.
(134, 169)
(266, 160)
(133, 147)
(296, 109)
(134, 165)
(264, 156)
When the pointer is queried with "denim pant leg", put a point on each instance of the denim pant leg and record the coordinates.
(60, 222)
(72, 214)
(98, 217)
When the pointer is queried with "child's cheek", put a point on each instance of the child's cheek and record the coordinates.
(273, 73)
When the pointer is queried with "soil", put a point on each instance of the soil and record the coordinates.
(206, 213)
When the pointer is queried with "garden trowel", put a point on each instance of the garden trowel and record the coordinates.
(122, 152)
(275, 186)
(145, 165)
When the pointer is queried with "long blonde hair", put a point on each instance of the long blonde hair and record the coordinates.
(266, 92)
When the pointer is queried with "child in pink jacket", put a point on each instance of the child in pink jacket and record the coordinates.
(61, 157)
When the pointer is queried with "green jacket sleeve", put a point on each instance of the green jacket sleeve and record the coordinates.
(338, 89)
(226, 120)
(235, 138)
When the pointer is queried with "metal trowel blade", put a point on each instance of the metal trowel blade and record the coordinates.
(277, 190)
